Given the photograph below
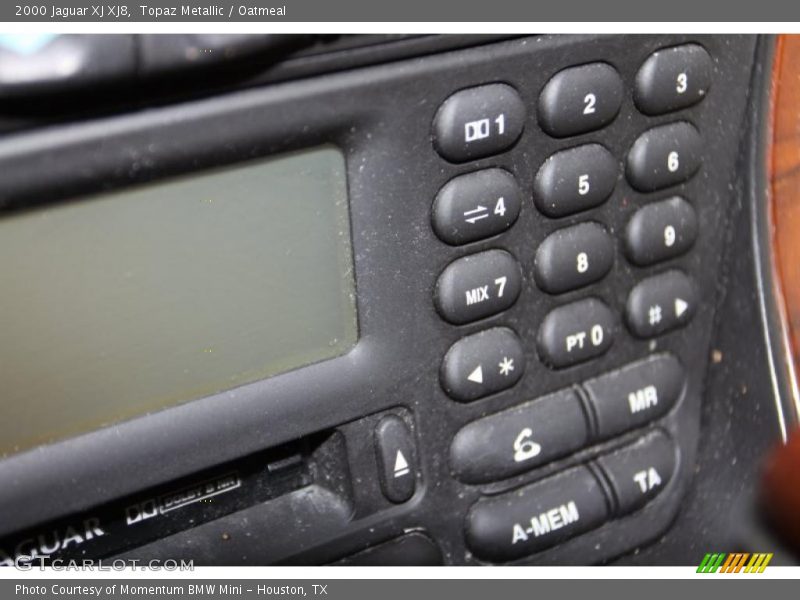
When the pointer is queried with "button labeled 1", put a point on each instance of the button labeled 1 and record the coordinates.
(478, 122)
(477, 286)
(481, 364)
(576, 332)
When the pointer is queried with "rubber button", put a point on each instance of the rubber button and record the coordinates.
(573, 257)
(580, 99)
(397, 461)
(576, 332)
(478, 286)
(519, 439)
(536, 517)
(661, 303)
(476, 206)
(661, 231)
(664, 156)
(636, 394)
(639, 472)
(673, 78)
(574, 180)
(482, 364)
(478, 122)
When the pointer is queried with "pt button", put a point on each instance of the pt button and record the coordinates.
(537, 516)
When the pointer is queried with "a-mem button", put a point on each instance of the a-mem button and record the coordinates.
(537, 516)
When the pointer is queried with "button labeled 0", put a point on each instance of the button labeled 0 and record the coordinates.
(576, 332)
(478, 286)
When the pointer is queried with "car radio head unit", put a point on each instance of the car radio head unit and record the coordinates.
(461, 300)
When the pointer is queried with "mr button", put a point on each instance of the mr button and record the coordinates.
(478, 286)
(537, 516)
(576, 332)
(636, 394)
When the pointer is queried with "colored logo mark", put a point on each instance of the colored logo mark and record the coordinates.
(735, 562)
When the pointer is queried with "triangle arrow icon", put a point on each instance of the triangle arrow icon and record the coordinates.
(400, 465)
(477, 375)
(681, 306)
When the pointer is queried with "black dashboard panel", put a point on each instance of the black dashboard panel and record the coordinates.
(583, 454)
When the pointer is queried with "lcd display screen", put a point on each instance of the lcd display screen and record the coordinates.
(131, 302)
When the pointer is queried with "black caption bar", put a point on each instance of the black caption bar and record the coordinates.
(465, 11)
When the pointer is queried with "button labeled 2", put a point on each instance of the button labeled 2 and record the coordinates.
(476, 205)
(576, 332)
(478, 122)
(481, 364)
(519, 439)
(478, 286)
(580, 99)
